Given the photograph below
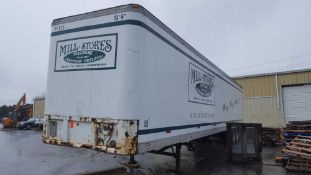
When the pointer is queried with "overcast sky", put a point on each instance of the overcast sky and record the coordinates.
(241, 36)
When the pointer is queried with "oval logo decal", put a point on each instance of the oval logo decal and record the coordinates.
(84, 56)
(203, 89)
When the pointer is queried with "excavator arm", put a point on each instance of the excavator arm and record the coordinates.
(20, 103)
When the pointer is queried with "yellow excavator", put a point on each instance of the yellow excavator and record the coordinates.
(20, 113)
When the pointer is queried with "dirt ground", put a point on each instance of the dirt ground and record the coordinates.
(22, 152)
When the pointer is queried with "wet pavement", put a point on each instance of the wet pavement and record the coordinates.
(210, 159)
(23, 153)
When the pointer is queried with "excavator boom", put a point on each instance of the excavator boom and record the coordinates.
(20, 103)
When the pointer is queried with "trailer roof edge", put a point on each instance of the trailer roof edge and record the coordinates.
(145, 12)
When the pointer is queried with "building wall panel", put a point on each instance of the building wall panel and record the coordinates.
(38, 107)
(261, 97)
(262, 110)
(265, 85)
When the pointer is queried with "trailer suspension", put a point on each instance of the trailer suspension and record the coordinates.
(174, 153)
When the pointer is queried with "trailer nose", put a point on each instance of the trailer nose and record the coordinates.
(96, 133)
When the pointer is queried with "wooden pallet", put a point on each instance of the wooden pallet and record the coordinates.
(296, 153)
(299, 131)
(299, 126)
(299, 165)
(299, 144)
(270, 136)
(304, 137)
(299, 147)
(299, 152)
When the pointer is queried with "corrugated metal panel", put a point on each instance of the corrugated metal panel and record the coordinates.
(38, 107)
(273, 73)
(258, 86)
(294, 78)
(297, 103)
(265, 85)
(262, 110)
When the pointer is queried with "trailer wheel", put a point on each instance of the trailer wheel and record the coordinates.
(28, 126)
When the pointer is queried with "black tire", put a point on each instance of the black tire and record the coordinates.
(28, 126)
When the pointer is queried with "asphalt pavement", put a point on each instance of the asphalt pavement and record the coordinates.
(22, 152)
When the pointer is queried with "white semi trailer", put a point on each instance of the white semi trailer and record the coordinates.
(122, 82)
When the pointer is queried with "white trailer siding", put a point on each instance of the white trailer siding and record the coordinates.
(151, 79)
(166, 68)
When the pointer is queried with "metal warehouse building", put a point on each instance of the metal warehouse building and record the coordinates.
(38, 106)
(274, 99)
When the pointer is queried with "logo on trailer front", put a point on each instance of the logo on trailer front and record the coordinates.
(200, 86)
(86, 53)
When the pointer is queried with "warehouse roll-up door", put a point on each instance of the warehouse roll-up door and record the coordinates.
(297, 103)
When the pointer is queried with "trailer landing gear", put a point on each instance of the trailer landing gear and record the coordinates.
(174, 153)
(132, 162)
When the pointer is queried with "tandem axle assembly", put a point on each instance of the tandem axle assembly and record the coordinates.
(175, 152)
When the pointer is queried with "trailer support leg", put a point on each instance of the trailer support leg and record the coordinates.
(177, 156)
(132, 160)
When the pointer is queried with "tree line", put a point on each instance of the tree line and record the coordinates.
(4, 110)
